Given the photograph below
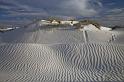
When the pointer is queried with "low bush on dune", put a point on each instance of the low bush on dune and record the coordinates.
(87, 22)
(57, 25)
(78, 25)
(116, 26)
(54, 18)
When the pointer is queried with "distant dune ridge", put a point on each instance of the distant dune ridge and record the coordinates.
(35, 54)
(81, 25)
(78, 24)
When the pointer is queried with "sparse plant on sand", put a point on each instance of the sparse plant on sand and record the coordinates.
(54, 18)
(87, 22)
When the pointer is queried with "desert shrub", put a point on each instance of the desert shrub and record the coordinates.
(86, 22)
(54, 18)
(78, 25)
(116, 26)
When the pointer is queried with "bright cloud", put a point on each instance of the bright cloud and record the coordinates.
(80, 7)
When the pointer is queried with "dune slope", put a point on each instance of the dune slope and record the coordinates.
(60, 56)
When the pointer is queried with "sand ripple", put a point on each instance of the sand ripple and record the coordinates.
(74, 62)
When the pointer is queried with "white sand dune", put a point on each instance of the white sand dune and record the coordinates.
(34, 55)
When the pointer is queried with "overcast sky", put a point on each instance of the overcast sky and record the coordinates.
(106, 11)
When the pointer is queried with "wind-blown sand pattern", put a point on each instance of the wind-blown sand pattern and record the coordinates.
(61, 56)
